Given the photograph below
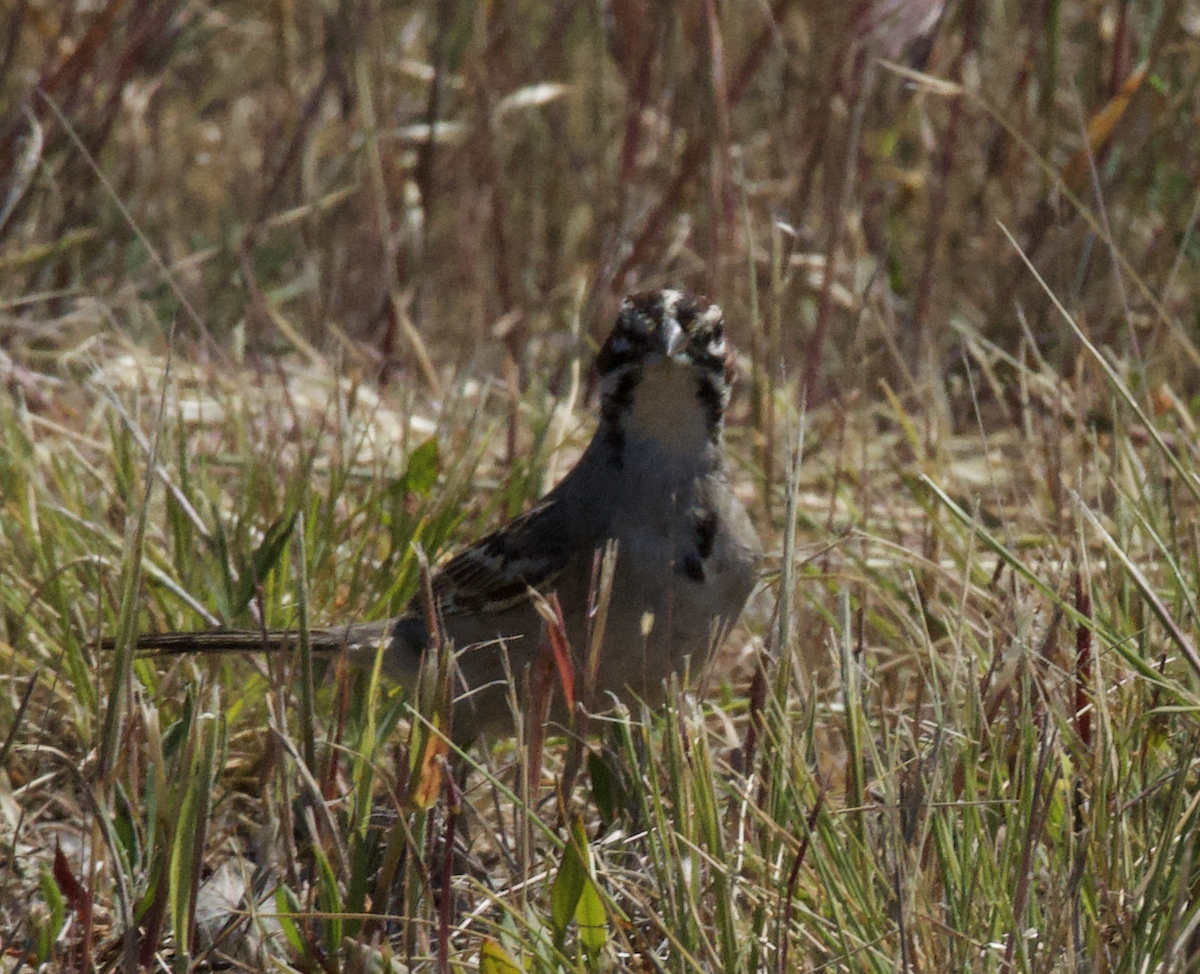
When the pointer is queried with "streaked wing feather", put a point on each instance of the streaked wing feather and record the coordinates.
(499, 570)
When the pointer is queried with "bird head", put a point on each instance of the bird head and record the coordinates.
(665, 371)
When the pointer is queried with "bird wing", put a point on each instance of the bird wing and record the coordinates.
(498, 571)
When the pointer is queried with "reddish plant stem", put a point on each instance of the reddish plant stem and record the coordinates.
(1083, 664)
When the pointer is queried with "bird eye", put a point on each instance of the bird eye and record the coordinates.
(633, 325)
(619, 345)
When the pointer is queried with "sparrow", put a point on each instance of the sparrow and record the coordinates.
(653, 483)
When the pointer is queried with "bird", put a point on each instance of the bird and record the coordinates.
(653, 485)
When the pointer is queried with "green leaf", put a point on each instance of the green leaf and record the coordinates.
(591, 917)
(125, 821)
(286, 908)
(494, 959)
(202, 760)
(266, 556)
(179, 873)
(568, 885)
(575, 895)
(605, 788)
(220, 543)
(47, 932)
(424, 465)
(330, 900)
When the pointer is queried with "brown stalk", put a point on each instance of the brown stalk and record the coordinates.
(757, 701)
(720, 187)
(1043, 798)
(447, 897)
(937, 202)
(12, 30)
(859, 78)
(490, 176)
(291, 154)
(785, 939)
(599, 596)
(541, 686)
(80, 900)
(1121, 50)
(149, 42)
(1083, 665)
(151, 928)
(433, 113)
(69, 73)
(638, 93)
(692, 156)
(342, 712)
(432, 739)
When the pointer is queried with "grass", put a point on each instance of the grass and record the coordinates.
(266, 334)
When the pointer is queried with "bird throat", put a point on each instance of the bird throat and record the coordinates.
(666, 409)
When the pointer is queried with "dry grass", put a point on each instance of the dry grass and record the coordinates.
(284, 289)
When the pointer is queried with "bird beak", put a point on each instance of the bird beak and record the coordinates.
(674, 338)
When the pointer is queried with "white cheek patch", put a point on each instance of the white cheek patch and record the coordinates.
(670, 300)
(712, 318)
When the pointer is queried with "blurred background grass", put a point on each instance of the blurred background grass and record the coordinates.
(475, 168)
(379, 242)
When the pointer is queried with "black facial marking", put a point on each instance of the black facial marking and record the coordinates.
(706, 533)
(635, 332)
(614, 406)
(713, 395)
(705, 526)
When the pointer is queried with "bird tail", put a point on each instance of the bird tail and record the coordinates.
(357, 640)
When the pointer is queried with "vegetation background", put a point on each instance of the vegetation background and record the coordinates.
(285, 288)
